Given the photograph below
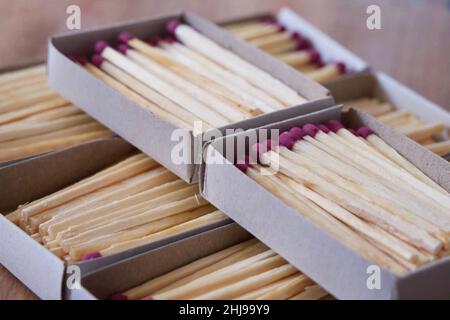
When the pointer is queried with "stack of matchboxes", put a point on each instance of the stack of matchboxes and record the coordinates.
(254, 159)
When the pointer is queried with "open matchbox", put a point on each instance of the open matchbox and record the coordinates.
(332, 265)
(381, 86)
(33, 264)
(102, 283)
(143, 129)
(329, 49)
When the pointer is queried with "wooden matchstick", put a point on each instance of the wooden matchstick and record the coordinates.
(119, 80)
(300, 58)
(209, 69)
(327, 73)
(202, 112)
(218, 105)
(441, 148)
(261, 79)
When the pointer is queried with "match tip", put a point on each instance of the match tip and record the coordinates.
(334, 125)
(295, 35)
(314, 56)
(118, 296)
(100, 46)
(296, 133)
(91, 255)
(170, 39)
(125, 36)
(364, 132)
(123, 48)
(303, 43)
(341, 67)
(310, 129)
(243, 166)
(323, 128)
(97, 60)
(172, 25)
(154, 41)
(286, 140)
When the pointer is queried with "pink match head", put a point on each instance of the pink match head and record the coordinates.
(172, 25)
(100, 46)
(296, 133)
(154, 41)
(170, 39)
(341, 67)
(123, 48)
(364, 132)
(243, 166)
(97, 60)
(323, 128)
(314, 55)
(91, 255)
(303, 43)
(286, 140)
(334, 125)
(310, 129)
(118, 296)
(125, 36)
(296, 35)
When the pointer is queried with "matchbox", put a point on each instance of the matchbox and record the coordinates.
(330, 50)
(102, 283)
(44, 273)
(386, 89)
(340, 270)
(149, 133)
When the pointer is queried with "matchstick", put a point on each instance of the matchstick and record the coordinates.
(314, 292)
(201, 111)
(441, 148)
(328, 72)
(261, 79)
(262, 30)
(209, 69)
(158, 283)
(119, 80)
(218, 105)
(300, 58)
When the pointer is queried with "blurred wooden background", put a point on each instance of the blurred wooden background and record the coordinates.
(413, 45)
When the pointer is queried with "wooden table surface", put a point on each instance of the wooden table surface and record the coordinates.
(413, 45)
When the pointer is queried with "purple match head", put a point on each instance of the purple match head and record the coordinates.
(97, 60)
(125, 36)
(91, 255)
(243, 166)
(118, 296)
(100, 46)
(172, 25)
(334, 125)
(310, 129)
(323, 128)
(296, 35)
(296, 133)
(314, 55)
(341, 67)
(170, 39)
(154, 41)
(286, 140)
(302, 43)
(364, 132)
(123, 48)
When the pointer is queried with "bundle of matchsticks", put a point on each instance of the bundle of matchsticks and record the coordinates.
(194, 79)
(359, 189)
(428, 134)
(132, 203)
(34, 119)
(290, 47)
(246, 271)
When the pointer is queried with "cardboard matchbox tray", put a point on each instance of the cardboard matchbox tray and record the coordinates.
(329, 49)
(147, 132)
(40, 270)
(102, 283)
(338, 269)
(386, 89)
